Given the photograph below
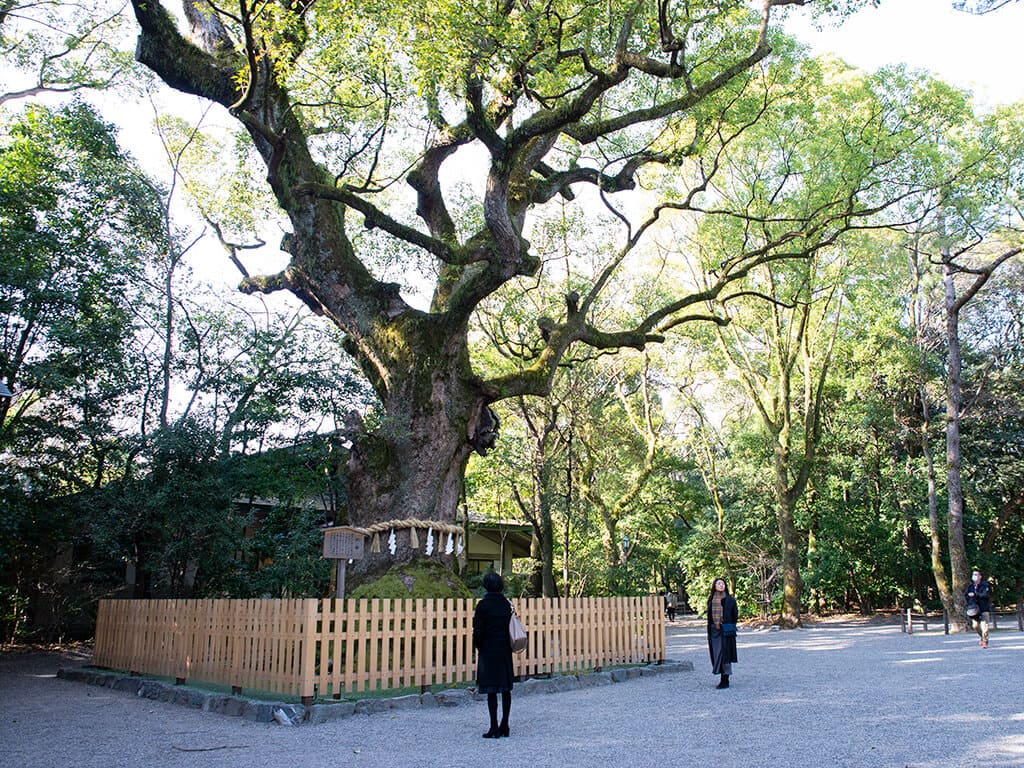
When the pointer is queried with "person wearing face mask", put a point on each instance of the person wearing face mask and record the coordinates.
(978, 606)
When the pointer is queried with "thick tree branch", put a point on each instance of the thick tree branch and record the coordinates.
(179, 63)
(375, 218)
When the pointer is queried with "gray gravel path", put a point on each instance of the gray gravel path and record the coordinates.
(844, 694)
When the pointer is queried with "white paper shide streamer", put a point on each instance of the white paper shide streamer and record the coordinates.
(392, 545)
(450, 546)
(430, 541)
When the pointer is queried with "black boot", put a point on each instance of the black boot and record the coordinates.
(492, 710)
(723, 682)
(506, 706)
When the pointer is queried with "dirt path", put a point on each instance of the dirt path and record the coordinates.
(846, 694)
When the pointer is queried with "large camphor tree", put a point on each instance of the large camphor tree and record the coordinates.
(566, 103)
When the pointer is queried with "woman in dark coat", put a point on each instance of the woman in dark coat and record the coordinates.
(494, 652)
(722, 609)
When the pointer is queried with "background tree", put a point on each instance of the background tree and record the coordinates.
(136, 388)
(78, 226)
(60, 48)
(976, 230)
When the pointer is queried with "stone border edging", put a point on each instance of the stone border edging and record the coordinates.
(295, 714)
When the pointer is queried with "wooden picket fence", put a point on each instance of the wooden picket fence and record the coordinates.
(324, 648)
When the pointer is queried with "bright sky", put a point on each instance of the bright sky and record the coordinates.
(981, 53)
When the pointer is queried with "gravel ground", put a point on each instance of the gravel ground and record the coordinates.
(850, 693)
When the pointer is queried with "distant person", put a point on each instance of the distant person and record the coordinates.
(722, 616)
(978, 606)
(494, 652)
(670, 605)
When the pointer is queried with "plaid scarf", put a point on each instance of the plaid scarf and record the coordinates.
(716, 609)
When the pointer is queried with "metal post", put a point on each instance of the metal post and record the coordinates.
(910, 622)
(339, 586)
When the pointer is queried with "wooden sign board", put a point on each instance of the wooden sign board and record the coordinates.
(342, 543)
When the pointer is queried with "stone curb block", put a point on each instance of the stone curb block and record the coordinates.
(234, 706)
(372, 706)
(323, 713)
(566, 683)
(412, 701)
(263, 711)
(127, 684)
(453, 697)
(595, 679)
(532, 686)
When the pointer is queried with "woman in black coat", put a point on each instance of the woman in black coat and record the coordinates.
(722, 610)
(494, 652)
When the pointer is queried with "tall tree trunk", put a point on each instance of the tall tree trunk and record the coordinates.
(538, 511)
(792, 584)
(616, 550)
(938, 568)
(411, 463)
(917, 319)
(954, 401)
(544, 534)
(567, 522)
(800, 343)
(980, 275)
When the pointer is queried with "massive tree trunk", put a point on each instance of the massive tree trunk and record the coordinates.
(411, 463)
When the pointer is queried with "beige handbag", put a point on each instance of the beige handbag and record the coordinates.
(516, 631)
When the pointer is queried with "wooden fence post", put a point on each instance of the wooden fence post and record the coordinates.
(309, 648)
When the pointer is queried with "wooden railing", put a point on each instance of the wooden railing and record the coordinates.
(324, 648)
(908, 619)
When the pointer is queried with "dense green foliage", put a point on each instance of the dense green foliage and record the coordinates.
(121, 460)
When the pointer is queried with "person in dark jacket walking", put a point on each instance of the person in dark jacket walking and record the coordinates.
(722, 613)
(978, 606)
(494, 652)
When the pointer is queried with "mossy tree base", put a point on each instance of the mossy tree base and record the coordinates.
(416, 579)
